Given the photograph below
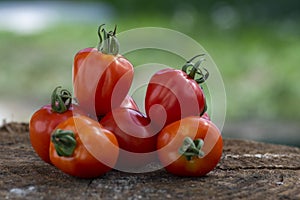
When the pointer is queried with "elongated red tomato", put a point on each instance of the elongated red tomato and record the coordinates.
(134, 134)
(174, 94)
(101, 76)
(44, 121)
(81, 147)
(190, 147)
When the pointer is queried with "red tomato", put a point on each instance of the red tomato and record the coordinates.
(81, 147)
(44, 120)
(134, 134)
(173, 94)
(190, 147)
(129, 103)
(101, 77)
(205, 116)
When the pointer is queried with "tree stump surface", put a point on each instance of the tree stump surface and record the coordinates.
(248, 170)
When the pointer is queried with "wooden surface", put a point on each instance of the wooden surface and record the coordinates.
(248, 170)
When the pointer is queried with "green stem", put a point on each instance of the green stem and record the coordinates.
(64, 142)
(191, 148)
(61, 100)
(192, 69)
(196, 56)
(100, 37)
(110, 44)
(106, 45)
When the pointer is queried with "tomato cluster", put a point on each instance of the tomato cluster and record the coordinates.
(102, 127)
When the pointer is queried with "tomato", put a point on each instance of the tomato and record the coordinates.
(81, 147)
(205, 116)
(129, 102)
(174, 94)
(101, 76)
(44, 120)
(134, 134)
(190, 147)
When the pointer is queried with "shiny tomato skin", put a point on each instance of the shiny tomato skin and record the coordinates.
(131, 130)
(101, 81)
(41, 125)
(178, 95)
(134, 134)
(206, 116)
(79, 60)
(170, 139)
(84, 162)
(129, 102)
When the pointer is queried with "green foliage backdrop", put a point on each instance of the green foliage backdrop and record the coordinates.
(256, 47)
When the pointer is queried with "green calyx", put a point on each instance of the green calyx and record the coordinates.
(61, 100)
(191, 148)
(108, 42)
(64, 142)
(193, 70)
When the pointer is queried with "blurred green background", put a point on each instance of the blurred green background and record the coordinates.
(255, 44)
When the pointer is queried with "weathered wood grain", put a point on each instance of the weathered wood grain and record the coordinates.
(248, 170)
